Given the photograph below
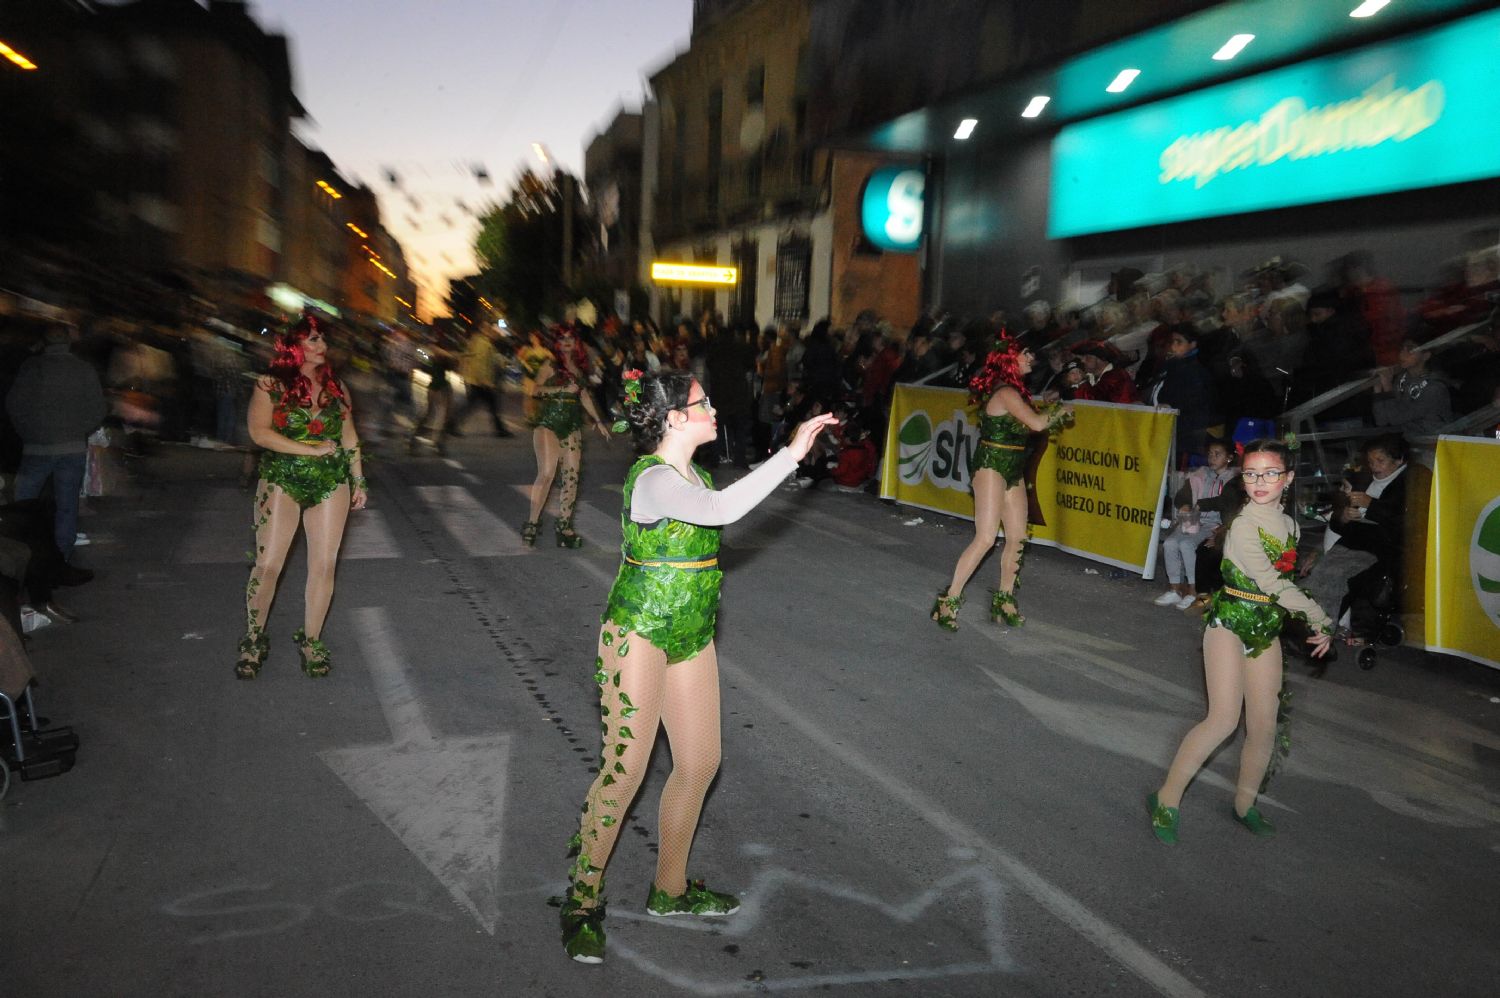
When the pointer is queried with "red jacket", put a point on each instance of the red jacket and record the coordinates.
(856, 463)
(1115, 386)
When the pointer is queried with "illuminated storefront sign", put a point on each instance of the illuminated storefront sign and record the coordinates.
(891, 208)
(1418, 112)
(687, 273)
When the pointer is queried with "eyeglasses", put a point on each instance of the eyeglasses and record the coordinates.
(704, 403)
(1271, 476)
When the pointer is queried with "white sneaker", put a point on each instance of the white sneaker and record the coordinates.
(1168, 598)
(1186, 601)
(32, 620)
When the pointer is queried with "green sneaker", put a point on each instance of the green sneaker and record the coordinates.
(696, 900)
(1252, 820)
(1163, 820)
(583, 932)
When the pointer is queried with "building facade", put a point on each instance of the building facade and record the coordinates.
(735, 177)
(161, 141)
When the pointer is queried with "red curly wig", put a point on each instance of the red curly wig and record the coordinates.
(572, 364)
(999, 371)
(286, 366)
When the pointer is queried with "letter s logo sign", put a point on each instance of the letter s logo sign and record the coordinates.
(905, 202)
(891, 208)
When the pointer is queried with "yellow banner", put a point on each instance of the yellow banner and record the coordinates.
(1463, 550)
(1098, 485)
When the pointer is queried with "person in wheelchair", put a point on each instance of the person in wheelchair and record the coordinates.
(1361, 565)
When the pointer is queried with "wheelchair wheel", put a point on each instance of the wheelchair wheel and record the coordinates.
(1392, 634)
(1367, 659)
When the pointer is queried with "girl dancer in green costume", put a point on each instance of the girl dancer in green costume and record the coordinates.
(311, 473)
(656, 662)
(1241, 647)
(997, 471)
(560, 395)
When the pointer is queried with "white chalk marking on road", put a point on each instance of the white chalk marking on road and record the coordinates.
(454, 463)
(213, 540)
(443, 798)
(757, 904)
(1071, 912)
(480, 532)
(472, 478)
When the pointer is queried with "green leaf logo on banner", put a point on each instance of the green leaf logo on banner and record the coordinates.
(916, 447)
(1484, 560)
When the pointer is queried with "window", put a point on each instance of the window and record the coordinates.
(793, 273)
(755, 85)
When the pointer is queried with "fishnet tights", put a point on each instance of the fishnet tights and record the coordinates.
(276, 518)
(1232, 680)
(552, 455)
(638, 691)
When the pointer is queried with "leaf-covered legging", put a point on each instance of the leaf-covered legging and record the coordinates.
(276, 520)
(638, 692)
(551, 455)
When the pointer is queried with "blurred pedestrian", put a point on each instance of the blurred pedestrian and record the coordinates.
(54, 404)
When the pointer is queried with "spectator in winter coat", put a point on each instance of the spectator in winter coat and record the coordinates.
(1409, 397)
(54, 404)
(1338, 351)
(1184, 384)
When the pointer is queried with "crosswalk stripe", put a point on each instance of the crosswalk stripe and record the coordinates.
(480, 532)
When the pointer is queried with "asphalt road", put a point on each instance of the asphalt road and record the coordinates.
(904, 811)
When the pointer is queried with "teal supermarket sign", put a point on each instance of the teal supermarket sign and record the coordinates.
(1414, 113)
(891, 209)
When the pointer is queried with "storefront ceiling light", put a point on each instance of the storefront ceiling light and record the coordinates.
(965, 128)
(1125, 79)
(1369, 8)
(1035, 107)
(1233, 47)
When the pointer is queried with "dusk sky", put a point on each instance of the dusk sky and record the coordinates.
(429, 90)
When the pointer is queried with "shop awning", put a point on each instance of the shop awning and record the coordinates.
(1174, 58)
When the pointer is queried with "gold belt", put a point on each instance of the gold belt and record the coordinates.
(558, 397)
(668, 563)
(992, 443)
(1248, 597)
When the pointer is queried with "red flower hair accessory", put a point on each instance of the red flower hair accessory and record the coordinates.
(631, 382)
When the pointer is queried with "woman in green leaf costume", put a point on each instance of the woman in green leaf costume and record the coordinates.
(311, 474)
(656, 663)
(558, 381)
(997, 470)
(1241, 650)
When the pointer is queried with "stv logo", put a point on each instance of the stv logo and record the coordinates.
(939, 455)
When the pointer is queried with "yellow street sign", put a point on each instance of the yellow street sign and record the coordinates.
(687, 273)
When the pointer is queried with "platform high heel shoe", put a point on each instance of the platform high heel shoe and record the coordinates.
(945, 610)
(567, 537)
(315, 655)
(254, 647)
(1003, 607)
(529, 530)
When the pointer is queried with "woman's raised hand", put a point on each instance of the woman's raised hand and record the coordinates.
(806, 433)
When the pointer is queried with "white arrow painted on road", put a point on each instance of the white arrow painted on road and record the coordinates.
(444, 798)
